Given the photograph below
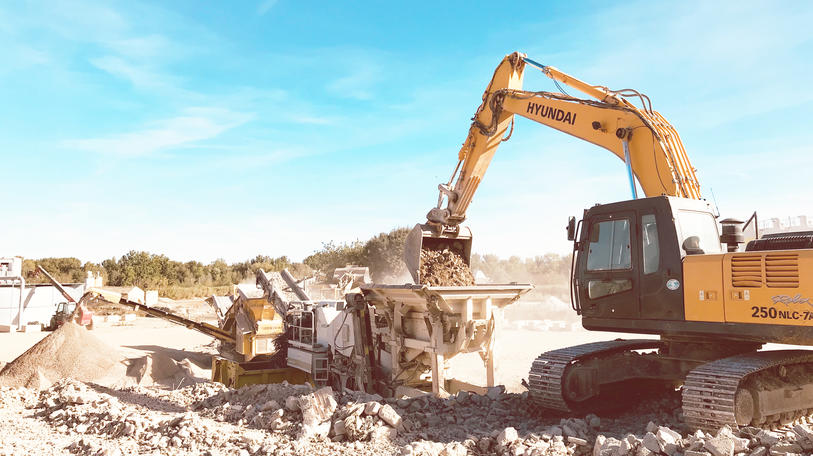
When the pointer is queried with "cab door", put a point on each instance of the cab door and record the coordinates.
(608, 273)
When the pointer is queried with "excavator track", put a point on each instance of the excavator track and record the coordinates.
(548, 369)
(712, 391)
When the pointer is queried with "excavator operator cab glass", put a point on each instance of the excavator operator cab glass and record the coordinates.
(650, 248)
(698, 233)
(609, 250)
(609, 245)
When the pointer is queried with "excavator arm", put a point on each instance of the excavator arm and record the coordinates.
(650, 147)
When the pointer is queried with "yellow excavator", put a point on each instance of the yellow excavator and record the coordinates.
(651, 265)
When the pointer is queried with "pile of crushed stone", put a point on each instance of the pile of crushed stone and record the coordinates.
(161, 370)
(69, 352)
(444, 268)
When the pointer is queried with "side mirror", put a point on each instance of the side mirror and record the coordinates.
(571, 228)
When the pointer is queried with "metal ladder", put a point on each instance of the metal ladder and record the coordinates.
(321, 368)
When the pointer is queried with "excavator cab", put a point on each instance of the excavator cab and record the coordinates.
(435, 237)
(627, 271)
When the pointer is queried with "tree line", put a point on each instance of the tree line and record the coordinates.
(382, 253)
(150, 271)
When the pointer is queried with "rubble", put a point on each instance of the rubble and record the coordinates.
(444, 268)
(209, 418)
(317, 409)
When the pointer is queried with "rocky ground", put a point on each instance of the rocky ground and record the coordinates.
(72, 417)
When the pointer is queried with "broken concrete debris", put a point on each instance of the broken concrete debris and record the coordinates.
(444, 268)
(209, 418)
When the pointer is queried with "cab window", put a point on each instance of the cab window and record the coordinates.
(649, 241)
(609, 246)
(698, 233)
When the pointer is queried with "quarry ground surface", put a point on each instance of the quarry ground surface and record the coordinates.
(71, 417)
(517, 348)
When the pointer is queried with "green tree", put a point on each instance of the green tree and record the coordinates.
(65, 270)
(384, 254)
(333, 256)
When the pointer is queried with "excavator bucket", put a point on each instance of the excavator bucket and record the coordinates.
(424, 237)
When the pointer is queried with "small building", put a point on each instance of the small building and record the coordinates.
(132, 293)
(94, 280)
(39, 302)
(22, 304)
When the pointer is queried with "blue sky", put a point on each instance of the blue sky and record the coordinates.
(207, 130)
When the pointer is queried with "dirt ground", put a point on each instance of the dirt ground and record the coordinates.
(516, 348)
(72, 417)
(134, 339)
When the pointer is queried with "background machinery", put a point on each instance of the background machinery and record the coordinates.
(67, 310)
(654, 265)
(388, 338)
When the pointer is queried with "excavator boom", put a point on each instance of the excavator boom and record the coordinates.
(650, 147)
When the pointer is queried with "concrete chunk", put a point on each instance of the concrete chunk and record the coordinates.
(722, 445)
(696, 453)
(390, 416)
(317, 409)
(292, 403)
(494, 392)
(372, 408)
(759, 451)
(507, 436)
(651, 443)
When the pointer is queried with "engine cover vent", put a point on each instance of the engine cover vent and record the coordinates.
(782, 270)
(746, 271)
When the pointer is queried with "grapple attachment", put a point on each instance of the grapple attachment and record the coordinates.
(426, 237)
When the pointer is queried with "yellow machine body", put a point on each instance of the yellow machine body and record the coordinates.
(235, 374)
(764, 287)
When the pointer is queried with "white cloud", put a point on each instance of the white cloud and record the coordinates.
(141, 47)
(311, 120)
(137, 75)
(21, 57)
(265, 6)
(357, 85)
(196, 124)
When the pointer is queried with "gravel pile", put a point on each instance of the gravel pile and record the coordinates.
(159, 369)
(70, 351)
(444, 268)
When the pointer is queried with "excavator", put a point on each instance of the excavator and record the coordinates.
(651, 265)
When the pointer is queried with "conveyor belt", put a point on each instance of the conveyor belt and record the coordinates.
(205, 328)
